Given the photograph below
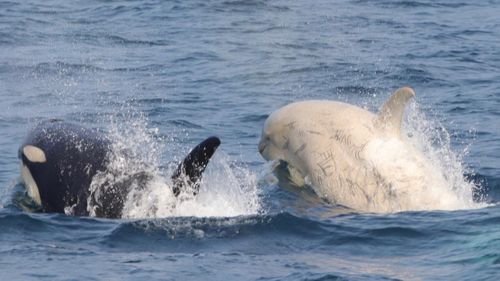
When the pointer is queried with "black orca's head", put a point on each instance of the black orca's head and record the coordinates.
(59, 161)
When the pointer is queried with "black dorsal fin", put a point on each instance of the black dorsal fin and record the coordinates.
(190, 170)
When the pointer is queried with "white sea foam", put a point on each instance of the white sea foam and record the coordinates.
(434, 141)
(420, 170)
(227, 188)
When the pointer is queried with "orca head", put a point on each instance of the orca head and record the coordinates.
(274, 140)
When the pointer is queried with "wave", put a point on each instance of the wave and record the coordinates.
(14, 220)
(68, 69)
(340, 232)
(249, 6)
(412, 4)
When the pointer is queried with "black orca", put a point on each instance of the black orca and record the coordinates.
(60, 160)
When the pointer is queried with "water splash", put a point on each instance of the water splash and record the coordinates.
(431, 138)
(427, 174)
(227, 188)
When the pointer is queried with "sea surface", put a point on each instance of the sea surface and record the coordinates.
(160, 76)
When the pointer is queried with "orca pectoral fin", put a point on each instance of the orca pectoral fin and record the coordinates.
(188, 173)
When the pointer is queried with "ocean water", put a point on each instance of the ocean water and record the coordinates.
(160, 76)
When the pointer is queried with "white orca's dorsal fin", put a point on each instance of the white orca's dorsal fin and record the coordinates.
(390, 114)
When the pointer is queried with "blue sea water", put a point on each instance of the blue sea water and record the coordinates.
(163, 75)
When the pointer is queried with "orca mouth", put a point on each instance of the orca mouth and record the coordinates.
(262, 147)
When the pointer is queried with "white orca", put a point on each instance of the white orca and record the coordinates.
(59, 161)
(355, 158)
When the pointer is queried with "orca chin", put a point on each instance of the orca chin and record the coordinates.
(60, 161)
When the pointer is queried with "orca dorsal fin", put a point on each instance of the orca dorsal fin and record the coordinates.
(390, 114)
(188, 174)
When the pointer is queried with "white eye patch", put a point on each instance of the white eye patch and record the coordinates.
(34, 154)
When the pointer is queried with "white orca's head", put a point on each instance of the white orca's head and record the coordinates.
(274, 140)
(31, 155)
